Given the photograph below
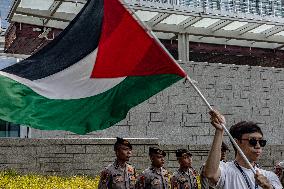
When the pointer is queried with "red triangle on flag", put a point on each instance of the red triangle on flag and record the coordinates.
(125, 49)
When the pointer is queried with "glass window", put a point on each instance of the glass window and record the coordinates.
(9, 129)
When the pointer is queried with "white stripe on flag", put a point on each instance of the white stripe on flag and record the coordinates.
(71, 83)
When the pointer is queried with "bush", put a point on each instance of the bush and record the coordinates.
(12, 180)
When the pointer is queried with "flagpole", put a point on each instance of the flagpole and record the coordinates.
(152, 35)
(224, 127)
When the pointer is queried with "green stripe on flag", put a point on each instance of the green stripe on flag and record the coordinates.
(20, 104)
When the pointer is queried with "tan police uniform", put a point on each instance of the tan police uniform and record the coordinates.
(154, 178)
(184, 179)
(116, 177)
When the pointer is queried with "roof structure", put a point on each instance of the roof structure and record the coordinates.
(200, 22)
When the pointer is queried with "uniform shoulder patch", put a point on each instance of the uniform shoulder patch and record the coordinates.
(105, 175)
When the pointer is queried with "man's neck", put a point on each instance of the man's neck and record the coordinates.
(155, 167)
(120, 163)
(242, 162)
(184, 169)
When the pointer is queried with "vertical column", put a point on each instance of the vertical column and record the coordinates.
(183, 47)
(273, 8)
(247, 6)
(260, 7)
(24, 132)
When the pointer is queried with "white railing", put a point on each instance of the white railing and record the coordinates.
(255, 7)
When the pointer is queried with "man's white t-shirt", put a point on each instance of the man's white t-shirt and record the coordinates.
(232, 178)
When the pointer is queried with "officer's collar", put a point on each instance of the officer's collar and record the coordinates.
(155, 169)
(117, 165)
(184, 172)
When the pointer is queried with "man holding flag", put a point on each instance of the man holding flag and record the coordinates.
(237, 174)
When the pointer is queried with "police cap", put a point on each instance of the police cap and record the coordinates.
(182, 152)
(155, 150)
(121, 141)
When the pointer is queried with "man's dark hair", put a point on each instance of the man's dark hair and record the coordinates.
(121, 141)
(244, 127)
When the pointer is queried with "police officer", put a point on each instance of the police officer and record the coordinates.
(203, 180)
(224, 149)
(155, 177)
(119, 174)
(279, 171)
(185, 177)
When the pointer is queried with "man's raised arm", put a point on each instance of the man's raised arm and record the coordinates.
(211, 169)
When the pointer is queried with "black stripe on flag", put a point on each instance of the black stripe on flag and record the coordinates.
(79, 39)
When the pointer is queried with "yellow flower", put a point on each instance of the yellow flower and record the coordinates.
(10, 180)
(198, 181)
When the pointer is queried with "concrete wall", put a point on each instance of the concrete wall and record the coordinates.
(89, 156)
(177, 116)
(66, 156)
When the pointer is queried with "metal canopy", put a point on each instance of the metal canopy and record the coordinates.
(168, 19)
(48, 13)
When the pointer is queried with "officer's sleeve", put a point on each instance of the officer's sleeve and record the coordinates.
(174, 182)
(104, 179)
(222, 179)
(141, 182)
(274, 180)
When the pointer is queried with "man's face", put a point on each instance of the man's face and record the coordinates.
(253, 152)
(158, 160)
(123, 153)
(185, 161)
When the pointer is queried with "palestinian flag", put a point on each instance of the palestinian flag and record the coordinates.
(88, 78)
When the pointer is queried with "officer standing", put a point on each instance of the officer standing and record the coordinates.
(203, 180)
(119, 174)
(155, 177)
(185, 176)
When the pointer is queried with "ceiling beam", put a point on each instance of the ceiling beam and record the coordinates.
(53, 8)
(38, 22)
(272, 31)
(220, 41)
(158, 18)
(219, 25)
(74, 1)
(242, 43)
(45, 14)
(218, 34)
(247, 27)
(189, 21)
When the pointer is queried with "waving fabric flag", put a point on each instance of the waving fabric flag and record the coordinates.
(88, 78)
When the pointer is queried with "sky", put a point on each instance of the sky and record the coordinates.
(4, 10)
